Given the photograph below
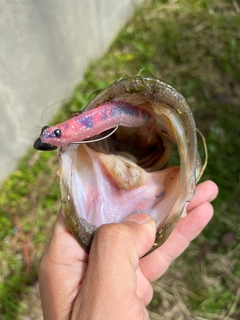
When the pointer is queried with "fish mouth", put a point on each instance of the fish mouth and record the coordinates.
(131, 171)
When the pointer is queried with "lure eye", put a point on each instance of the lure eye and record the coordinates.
(57, 133)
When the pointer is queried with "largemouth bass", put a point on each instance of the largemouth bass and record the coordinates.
(105, 181)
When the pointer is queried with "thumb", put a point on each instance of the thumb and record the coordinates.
(113, 262)
(121, 242)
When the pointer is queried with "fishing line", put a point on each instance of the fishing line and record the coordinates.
(51, 105)
(96, 140)
(206, 154)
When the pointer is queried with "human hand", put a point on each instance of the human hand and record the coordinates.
(112, 282)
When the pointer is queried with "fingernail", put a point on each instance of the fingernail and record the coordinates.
(140, 218)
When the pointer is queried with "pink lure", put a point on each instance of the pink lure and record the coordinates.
(95, 121)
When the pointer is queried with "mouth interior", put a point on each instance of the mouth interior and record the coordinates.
(145, 148)
(124, 174)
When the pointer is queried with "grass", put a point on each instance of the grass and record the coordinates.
(193, 45)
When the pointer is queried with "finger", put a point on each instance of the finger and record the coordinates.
(113, 262)
(205, 191)
(155, 264)
(61, 270)
(144, 288)
(121, 246)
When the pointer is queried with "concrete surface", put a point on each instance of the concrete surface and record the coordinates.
(45, 47)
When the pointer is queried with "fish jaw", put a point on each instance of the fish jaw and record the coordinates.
(97, 189)
(104, 185)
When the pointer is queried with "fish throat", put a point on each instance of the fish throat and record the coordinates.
(140, 145)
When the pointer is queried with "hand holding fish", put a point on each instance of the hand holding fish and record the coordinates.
(105, 179)
(112, 282)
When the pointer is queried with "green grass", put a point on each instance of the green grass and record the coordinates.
(193, 45)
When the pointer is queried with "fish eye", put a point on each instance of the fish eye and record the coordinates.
(57, 133)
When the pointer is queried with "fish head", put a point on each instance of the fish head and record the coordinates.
(131, 171)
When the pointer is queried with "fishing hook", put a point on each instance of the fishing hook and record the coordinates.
(96, 140)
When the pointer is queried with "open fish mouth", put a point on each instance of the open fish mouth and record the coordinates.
(129, 172)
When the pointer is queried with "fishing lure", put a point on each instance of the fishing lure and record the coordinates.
(91, 123)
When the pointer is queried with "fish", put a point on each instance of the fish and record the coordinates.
(129, 171)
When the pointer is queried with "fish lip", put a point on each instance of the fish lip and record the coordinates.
(42, 146)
